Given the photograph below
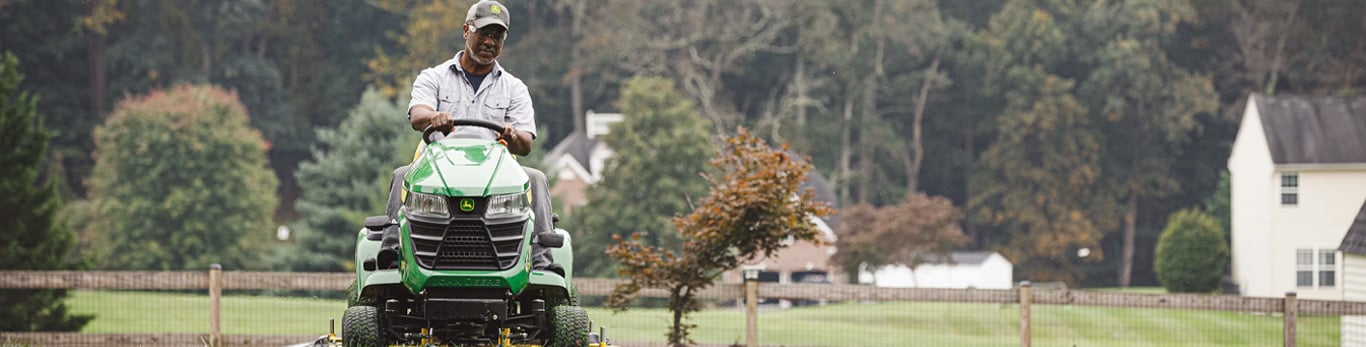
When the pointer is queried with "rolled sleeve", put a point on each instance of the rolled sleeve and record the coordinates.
(424, 90)
(521, 112)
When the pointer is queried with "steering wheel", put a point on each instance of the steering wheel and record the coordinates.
(427, 133)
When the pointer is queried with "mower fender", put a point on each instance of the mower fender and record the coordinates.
(564, 255)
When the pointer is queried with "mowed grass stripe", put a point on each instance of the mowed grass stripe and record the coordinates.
(838, 324)
(161, 312)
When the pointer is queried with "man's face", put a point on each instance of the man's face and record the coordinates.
(484, 45)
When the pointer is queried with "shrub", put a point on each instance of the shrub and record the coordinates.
(1191, 254)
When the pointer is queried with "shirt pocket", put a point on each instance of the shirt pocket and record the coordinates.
(496, 110)
(446, 102)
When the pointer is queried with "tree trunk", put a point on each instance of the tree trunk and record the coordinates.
(970, 147)
(1280, 50)
(676, 335)
(917, 153)
(868, 104)
(800, 84)
(576, 70)
(846, 150)
(207, 67)
(96, 45)
(1128, 254)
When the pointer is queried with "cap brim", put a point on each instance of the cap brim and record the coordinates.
(483, 22)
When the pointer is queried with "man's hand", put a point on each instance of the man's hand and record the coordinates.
(518, 142)
(422, 116)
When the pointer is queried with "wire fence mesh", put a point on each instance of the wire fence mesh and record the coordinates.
(264, 309)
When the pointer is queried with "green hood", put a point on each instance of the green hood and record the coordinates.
(466, 167)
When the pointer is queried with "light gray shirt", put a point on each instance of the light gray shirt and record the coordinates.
(501, 98)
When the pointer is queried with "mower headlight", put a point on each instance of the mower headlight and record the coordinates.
(511, 205)
(427, 205)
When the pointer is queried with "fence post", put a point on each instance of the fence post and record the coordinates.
(1292, 313)
(751, 307)
(1026, 297)
(215, 295)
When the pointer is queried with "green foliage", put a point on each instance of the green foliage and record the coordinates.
(1218, 205)
(754, 205)
(32, 235)
(180, 183)
(40, 34)
(347, 180)
(660, 147)
(1192, 253)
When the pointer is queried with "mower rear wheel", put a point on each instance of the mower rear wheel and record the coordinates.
(570, 326)
(360, 327)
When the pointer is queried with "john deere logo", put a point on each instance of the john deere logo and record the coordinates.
(467, 205)
(495, 9)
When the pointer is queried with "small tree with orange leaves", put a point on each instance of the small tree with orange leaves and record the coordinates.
(753, 206)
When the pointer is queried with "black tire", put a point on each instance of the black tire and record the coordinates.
(569, 327)
(360, 327)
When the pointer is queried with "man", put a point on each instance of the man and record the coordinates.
(473, 85)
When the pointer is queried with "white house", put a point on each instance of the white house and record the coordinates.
(980, 270)
(1298, 181)
(579, 159)
(1353, 250)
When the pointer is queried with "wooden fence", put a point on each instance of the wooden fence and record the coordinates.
(1025, 296)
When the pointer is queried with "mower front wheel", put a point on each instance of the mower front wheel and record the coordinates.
(570, 326)
(360, 327)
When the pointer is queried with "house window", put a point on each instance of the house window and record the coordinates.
(1316, 266)
(1327, 266)
(1304, 268)
(1290, 188)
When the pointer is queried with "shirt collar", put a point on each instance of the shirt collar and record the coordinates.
(456, 68)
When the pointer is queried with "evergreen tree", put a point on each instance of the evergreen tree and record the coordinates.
(32, 237)
(348, 180)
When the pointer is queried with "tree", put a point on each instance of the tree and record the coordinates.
(1192, 253)
(1218, 204)
(915, 231)
(1145, 104)
(348, 180)
(1038, 181)
(32, 236)
(660, 147)
(1037, 188)
(698, 44)
(431, 35)
(181, 182)
(755, 203)
(40, 33)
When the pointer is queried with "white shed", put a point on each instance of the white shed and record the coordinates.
(981, 270)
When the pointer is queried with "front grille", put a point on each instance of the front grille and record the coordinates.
(466, 245)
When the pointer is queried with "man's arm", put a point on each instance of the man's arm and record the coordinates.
(421, 116)
(523, 121)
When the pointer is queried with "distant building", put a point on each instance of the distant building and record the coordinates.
(979, 270)
(579, 159)
(1298, 183)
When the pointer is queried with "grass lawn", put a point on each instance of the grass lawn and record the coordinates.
(844, 324)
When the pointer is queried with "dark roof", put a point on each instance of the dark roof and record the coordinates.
(1314, 129)
(1355, 240)
(576, 145)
